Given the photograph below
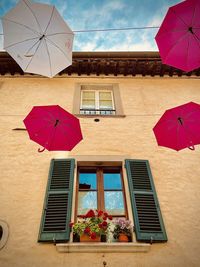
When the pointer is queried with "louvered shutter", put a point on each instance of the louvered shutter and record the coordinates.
(149, 226)
(58, 202)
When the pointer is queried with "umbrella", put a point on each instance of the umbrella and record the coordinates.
(37, 37)
(179, 127)
(53, 128)
(178, 38)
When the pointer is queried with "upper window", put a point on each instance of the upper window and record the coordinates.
(97, 100)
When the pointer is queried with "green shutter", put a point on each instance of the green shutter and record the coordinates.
(58, 202)
(149, 226)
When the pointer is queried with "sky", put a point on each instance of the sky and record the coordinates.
(104, 14)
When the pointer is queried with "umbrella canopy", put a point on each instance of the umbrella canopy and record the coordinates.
(53, 128)
(179, 127)
(178, 38)
(37, 37)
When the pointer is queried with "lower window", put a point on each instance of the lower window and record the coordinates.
(100, 186)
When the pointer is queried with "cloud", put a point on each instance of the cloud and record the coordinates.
(103, 14)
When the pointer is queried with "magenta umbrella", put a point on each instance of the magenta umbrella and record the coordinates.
(53, 128)
(178, 38)
(179, 127)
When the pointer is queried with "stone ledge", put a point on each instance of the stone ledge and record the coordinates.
(96, 247)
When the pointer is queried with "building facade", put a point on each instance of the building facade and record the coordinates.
(118, 98)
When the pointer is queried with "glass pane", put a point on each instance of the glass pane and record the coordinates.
(105, 96)
(86, 201)
(87, 180)
(112, 181)
(105, 104)
(88, 104)
(114, 203)
(88, 95)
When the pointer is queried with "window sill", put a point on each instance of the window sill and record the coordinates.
(102, 247)
(99, 115)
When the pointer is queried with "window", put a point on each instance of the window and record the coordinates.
(97, 100)
(101, 187)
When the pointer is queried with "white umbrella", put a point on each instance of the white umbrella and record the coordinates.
(37, 37)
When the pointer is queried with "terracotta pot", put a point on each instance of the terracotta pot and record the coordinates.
(86, 238)
(123, 238)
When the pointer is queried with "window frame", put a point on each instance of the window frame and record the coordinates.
(113, 87)
(100, 190)
(97, 101)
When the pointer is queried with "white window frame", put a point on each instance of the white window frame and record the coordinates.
(97, 101)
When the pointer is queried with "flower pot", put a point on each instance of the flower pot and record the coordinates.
(86, 238)
(123, 238)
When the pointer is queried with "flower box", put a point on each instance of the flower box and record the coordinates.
(87, 238)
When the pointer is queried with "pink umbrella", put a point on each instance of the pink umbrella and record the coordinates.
(53, 128)
(179, 127)
(178, 38)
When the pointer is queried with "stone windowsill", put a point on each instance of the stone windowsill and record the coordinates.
(102, 247)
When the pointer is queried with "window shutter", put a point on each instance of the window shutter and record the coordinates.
(58, 202)
(149, 226)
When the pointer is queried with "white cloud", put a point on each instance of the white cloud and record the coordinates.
(111, 14)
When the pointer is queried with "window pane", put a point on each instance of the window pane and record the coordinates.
(88, 95)
(88, 104)
(105, 104)
(86, 201)
(105, 96)
(87, 180)
(112, 181)
(114, 203)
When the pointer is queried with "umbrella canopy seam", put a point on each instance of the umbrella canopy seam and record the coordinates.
(27, 27)
(49, 20)
(33, 14)
(50, 41)
(48, 56)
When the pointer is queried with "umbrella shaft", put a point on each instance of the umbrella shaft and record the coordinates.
(42, 37)
(56, 123)
(180, 120)
(190, 30)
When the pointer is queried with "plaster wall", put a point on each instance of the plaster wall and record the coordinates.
(24, 171)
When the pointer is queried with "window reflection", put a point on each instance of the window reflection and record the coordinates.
(112, 181)
(87, 181)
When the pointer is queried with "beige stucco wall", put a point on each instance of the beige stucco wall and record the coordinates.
(24, 171)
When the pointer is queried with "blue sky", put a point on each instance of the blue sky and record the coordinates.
(102, 14)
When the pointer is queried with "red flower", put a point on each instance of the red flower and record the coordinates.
(90, 214)
(71, 224)
(104, 218)
(100, 212)
(87, 230)
(105, 214)
(110, 217)
(82, 216)
(104, 224)
(100, 225)
(93, 235)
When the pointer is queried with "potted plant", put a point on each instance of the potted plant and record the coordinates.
(122, 229)
(92, 225)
